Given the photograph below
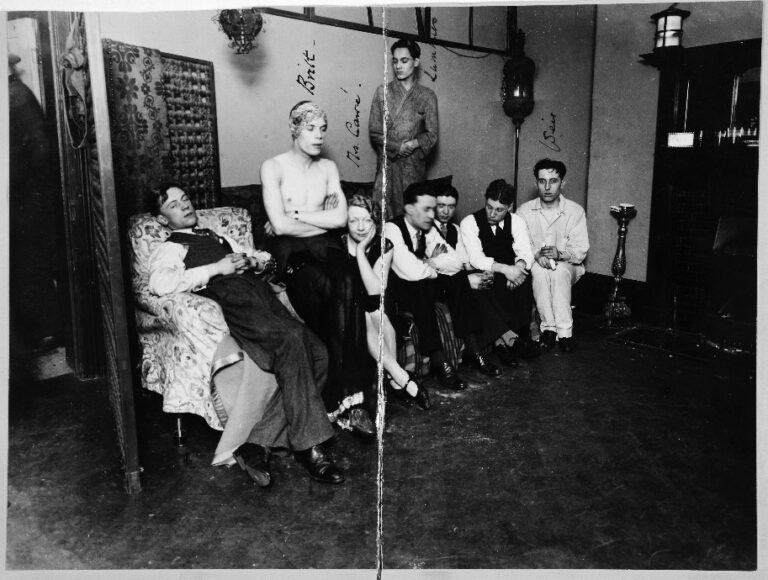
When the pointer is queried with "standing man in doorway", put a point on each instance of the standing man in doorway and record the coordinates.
(411, 128)
(558, 229)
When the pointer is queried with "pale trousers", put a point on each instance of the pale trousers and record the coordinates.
(552, 293)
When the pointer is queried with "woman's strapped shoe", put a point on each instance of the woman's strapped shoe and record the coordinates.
(254, 460)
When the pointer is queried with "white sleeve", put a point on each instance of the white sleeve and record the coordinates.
(470, 235)
(461, 251)
(404, 262)
(521, 241)
(167, 273)
(447, 263)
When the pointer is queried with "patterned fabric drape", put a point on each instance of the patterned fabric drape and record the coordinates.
(139, 123)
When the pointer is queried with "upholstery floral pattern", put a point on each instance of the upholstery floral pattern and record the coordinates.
(179, 332)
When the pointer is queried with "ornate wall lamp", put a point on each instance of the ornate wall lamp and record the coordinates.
(241, 26)
(517, 92)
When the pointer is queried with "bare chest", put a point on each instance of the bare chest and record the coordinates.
(304, 188)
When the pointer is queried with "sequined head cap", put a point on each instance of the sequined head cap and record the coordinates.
(302, 114)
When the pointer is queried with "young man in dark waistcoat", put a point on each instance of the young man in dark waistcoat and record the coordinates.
(497, 242)
(217, 268)
(491, 321)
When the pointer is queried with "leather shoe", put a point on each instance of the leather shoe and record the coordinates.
(566, 343)
(320, 465)
(361, 422)
(505, 355)
(525, 348)
(548, 339)
(449, 378)
(422, 396)
(400, 396)
(479, 362)
(254, 460)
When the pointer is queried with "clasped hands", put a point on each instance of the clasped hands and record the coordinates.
(237, 263)
(408, 147)
(547, 257)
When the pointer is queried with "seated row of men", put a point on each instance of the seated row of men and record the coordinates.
(486, 271)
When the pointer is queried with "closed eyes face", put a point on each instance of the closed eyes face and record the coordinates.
(495, 211)
(177, 212)
(312, 136)
(404, 64)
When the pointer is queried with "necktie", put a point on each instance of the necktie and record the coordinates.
(444, 230)
(208, 233)
(421, 244)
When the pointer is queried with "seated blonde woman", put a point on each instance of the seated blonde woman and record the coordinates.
(367, 267)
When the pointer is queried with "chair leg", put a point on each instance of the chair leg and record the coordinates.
(179, 434)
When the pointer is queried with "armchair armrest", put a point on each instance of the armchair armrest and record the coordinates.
(188, 313)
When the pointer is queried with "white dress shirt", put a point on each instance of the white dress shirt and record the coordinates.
(405, 263)
(167, 273)
(521, 242)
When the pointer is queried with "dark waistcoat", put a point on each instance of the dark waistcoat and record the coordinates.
(497, 246)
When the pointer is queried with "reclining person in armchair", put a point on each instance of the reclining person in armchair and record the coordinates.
(216, 267)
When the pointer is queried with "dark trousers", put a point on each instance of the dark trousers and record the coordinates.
(279, 343)
(517, 303)
(314, 271)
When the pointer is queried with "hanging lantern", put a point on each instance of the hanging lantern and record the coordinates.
(241, 26)
(517, 85)
(669, 27)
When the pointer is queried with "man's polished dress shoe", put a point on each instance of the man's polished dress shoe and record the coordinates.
(479, 362)
(566, 343)
(525, 348)
(449, 378)
(505, 355)
(548, 339)
(320, 465)
(360, 421)
(254, 460)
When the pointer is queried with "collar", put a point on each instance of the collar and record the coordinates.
(186, 230)
(561, 207)
(411, 229)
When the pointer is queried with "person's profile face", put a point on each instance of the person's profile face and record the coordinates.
(422, 213)
(312, 136)
(446, 207)
(359, 222)
(404, 64)
(548, 184)
(495, 211)
(177, 212)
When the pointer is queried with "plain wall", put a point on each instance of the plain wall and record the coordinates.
(254, 93)
(625, 98)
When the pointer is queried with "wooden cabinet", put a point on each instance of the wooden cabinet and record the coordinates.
(703, 236)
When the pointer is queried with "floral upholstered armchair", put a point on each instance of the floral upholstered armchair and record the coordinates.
(179, 333)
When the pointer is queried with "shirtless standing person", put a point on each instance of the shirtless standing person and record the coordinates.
(304, 204)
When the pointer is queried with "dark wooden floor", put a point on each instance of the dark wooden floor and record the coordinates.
(612, 456)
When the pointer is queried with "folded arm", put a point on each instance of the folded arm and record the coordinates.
(282, 224)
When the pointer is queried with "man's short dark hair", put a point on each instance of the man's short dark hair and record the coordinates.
(501, 191)
(449, 191)
(415, 190)
(413, 48)
(552, 164)
(158, 195)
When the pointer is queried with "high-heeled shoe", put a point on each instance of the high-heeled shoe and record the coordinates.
(421, 398)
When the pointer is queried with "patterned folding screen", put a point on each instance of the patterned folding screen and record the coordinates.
(163, 121)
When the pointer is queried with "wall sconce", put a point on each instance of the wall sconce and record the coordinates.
(517, 92)
(241, 26)
(669, 27)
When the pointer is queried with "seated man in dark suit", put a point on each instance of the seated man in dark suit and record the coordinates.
(215, 267)
(497, 242)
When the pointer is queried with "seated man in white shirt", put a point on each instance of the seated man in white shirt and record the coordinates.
(422, 273)
(215, 267)
(497, 241)
(491, 315)
(558, 229)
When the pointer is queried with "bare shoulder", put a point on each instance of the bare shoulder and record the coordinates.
(327, 166)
